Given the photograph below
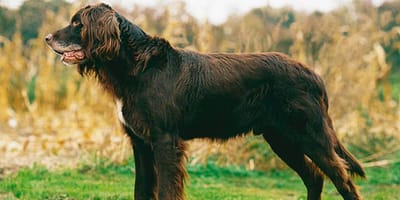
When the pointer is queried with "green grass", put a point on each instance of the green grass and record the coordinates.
(206, 182)
(394, 80)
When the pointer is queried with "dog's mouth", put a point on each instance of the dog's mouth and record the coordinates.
(70, 54)
(72, 57)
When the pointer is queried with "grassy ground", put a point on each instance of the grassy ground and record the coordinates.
(395, 83)
(206, 182)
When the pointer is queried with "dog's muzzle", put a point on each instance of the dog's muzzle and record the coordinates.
(70, 54)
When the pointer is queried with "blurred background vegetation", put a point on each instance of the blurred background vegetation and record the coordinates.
(53, 116)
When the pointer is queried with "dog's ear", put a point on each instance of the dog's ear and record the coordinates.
(101, 32)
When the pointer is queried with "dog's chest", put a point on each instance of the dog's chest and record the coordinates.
(132, 121)
(119, 110)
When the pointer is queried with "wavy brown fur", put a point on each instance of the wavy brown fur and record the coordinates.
(101, 32)
(168, 95)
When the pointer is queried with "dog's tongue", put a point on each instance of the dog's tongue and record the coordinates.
(73, 55)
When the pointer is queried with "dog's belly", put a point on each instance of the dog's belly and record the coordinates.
(214, 131)
(215, 125)
(227, 116)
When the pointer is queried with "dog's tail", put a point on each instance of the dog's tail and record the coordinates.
(354, 167)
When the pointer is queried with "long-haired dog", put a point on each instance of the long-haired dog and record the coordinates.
(167, 95)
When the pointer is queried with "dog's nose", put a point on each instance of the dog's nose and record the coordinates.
(49, 37)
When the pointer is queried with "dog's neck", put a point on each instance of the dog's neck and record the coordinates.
(133, 36)
(139, 52)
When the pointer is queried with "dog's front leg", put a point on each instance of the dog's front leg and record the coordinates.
(145, 176)
(169, 155)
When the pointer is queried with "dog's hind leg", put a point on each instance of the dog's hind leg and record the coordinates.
(170, 158)
(321, 146)
(318, 143)
(293, 156)
(335, 168)
(145, 174)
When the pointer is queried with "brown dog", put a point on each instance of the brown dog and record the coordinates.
(167, 95)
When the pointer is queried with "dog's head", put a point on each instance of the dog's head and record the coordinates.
(93, 33)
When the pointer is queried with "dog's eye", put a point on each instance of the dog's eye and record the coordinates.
(76, 23)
